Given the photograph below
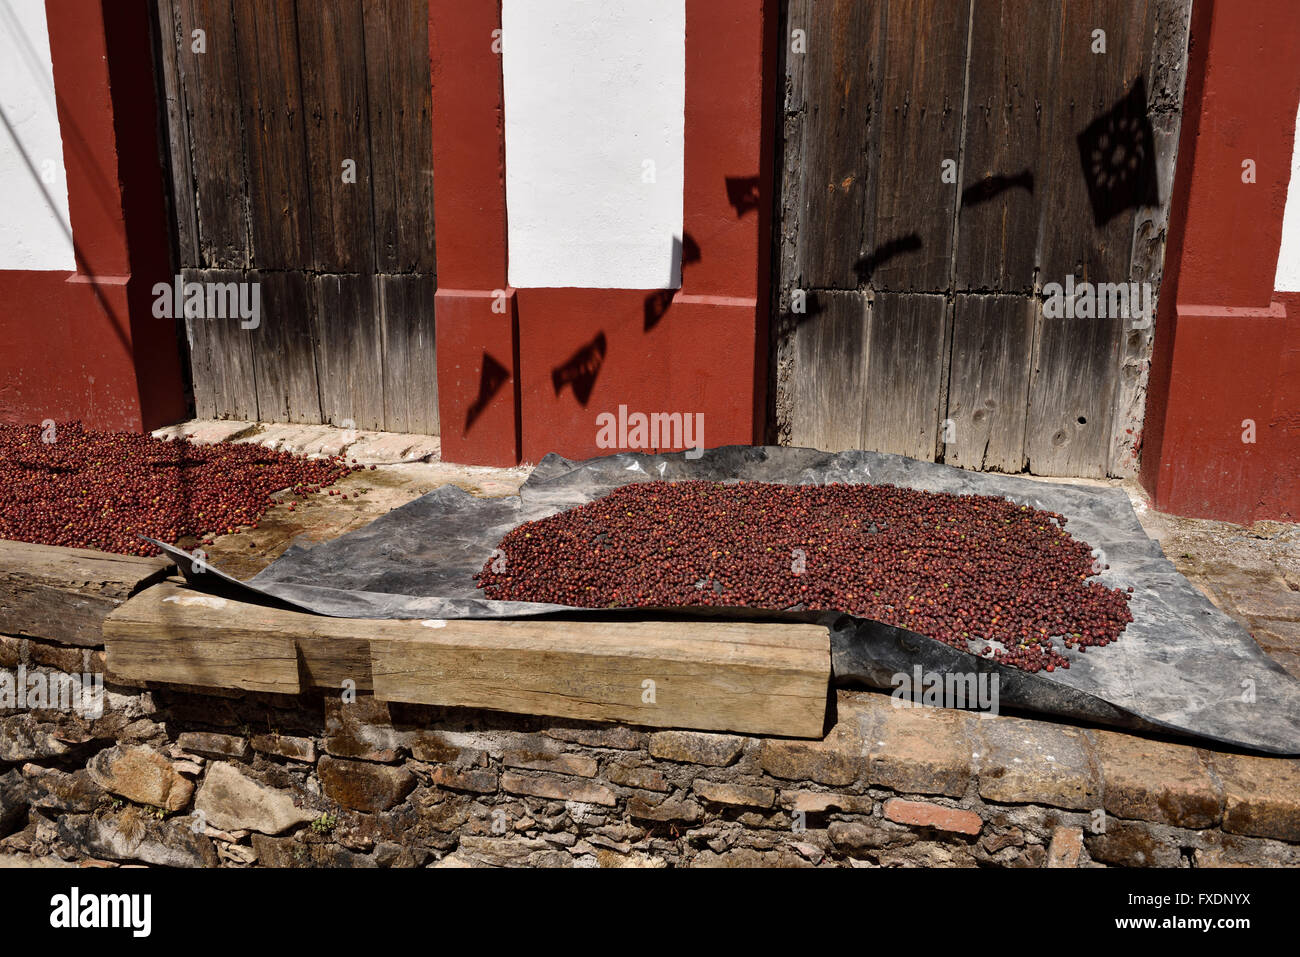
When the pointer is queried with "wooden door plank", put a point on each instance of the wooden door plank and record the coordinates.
(229, 366)
(1002, 168)
(989, 383)
(401, 133)
(906, 370)
(278, 187)
(350, 359)
(210, 81)
(829, 348)
(332, 47)
(287, 387)
(178, 142)
(406, 305)
(838, 98)
(920, 126)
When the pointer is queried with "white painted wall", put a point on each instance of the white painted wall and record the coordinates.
(595, 90)
(1288, 261)
(34, 228)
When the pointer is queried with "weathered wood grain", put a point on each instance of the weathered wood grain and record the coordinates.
(921, 101)
(278, 187)
(64, 594)
(350, 360)
(992, 347)
(285, 349)
(332, 48)
(401, 133)
(406, 305)
(906, 368)
(210, 81)
(741, 677)
(829, 392)
(835, 89)
(1010, 79)
(229, 350)
(713, 676)
(181, 194)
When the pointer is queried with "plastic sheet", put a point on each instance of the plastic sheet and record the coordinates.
(1181, 666)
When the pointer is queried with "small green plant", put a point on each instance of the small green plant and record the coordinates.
(325, 823)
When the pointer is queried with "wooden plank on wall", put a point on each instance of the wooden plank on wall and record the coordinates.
(349, 356)
(1008, 85)
(723, 676)
(836, 94)
(906, 369)
(210, 81)
(1071, 396)
(921, 103)
(332, 48)
(406, 305)
(64, 594)
(227, 374)
(829, 348)
(993, 340)
(178, 142)
(401, 133)
(285, 349)
(278, 187)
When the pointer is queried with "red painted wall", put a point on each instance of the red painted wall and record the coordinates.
(701, 349)
(1226, 346)
(85, 345)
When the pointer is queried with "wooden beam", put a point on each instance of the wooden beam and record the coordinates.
(714, 676)
(64, 594)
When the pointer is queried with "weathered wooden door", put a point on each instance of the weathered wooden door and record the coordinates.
(301, 168)
(945, 163)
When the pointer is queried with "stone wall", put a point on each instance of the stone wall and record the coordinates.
(181, 777)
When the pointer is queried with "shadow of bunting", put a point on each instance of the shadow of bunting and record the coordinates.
(921, 301)
(262, 121)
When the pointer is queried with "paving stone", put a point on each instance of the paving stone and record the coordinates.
(557, 788)
(1029, 762)
(925, 814)
(1183, 793)
(615, 736)
(1261, 795)
(696, 747)
(285, 746)
(211, 745)
(141, 775)
(206, 431)
(364, 786)
(921, 751)
(231, 800)
(1065, 848)
(647, 779)
(740, 795)
(1271, 600)
(673, 809)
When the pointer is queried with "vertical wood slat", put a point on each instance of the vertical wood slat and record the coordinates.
(349, 354)
(332, 47)
(829, 405)
(410, 359)
(906, 366)
(229, 352)
(401, 133)
(923, 71)
(285, 348)
(178, 144)
(278, 187)
(1009, 82)
(836, 100)
(210, 84)
(989, 382)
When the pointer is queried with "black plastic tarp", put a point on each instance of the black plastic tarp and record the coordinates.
(1181, 666)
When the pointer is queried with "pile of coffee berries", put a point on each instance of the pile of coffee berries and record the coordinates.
(977, 572)
(65, 485)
